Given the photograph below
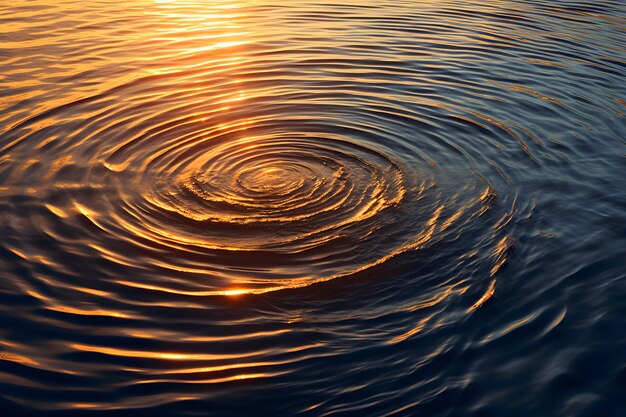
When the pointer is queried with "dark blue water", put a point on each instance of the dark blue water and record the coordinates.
(390, 208)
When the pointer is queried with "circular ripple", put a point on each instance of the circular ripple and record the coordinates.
(264, 212)
(179, 149)
(286, 197)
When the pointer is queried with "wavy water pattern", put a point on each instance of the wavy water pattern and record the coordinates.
(388, 208)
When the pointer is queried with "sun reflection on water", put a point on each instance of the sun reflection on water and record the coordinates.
(215, 192)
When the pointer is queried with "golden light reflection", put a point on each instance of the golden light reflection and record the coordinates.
(159, 355)
(235, 292)
(14, 357)
(418, 328)
(88, 312)
(219, 368)
(220, 380)
(491, 290)
(180, 156)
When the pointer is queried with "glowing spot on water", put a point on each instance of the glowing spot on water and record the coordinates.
(234, 293)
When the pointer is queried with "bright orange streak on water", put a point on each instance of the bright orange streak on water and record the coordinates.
(157, 355)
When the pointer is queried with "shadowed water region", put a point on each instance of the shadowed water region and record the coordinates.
(361, 208)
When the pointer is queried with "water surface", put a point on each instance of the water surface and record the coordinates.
(320, 209)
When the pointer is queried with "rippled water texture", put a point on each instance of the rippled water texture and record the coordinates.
(362, 208)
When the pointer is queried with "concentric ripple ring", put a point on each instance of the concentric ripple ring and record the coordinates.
(299, 208)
